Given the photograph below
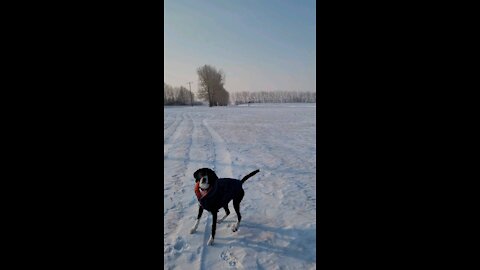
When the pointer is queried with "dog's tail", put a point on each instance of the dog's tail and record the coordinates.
(249, 175)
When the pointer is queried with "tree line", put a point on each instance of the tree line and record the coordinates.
(211, 89)
(273, 97)
(177, 95)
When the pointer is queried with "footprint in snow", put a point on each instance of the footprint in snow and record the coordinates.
(228, 257)
(180, 244)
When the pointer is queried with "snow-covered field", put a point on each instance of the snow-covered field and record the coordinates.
(279, 208)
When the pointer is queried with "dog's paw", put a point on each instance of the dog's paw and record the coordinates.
(235, 227)
(194, 228)
(210, 241)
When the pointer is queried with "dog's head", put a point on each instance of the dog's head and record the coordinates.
(206, 177)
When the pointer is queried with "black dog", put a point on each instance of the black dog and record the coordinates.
(214, 193)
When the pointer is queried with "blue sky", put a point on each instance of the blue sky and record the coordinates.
(260, 45)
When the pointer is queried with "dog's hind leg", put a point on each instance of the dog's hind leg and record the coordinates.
(236, 206)
(227, 212)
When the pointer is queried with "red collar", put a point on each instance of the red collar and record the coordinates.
(201, 192)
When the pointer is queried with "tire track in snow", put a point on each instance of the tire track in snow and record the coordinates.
(182, 154)
(202, 152)
(179, 247)
(211, 163)
(222, 165)
(182, 182)
(201, 155)
(167, 123)
(193, 146)
(166, 130)
(222, 155)
(204, 244)
(169, 139)
(174, 184)
(173, 136)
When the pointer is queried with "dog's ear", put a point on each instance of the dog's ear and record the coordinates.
(196, 175)
(213, 176)
(204, 171)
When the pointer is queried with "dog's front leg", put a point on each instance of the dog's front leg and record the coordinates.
(214, 227)
(200, 211)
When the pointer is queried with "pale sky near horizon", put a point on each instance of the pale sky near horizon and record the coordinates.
(261, 45)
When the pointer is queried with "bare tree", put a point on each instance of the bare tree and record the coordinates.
(211, 86)
(176, 95)
(168, 95)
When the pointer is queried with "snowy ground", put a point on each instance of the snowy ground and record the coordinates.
(279, 208)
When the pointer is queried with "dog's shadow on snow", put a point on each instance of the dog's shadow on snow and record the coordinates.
(290, 242)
